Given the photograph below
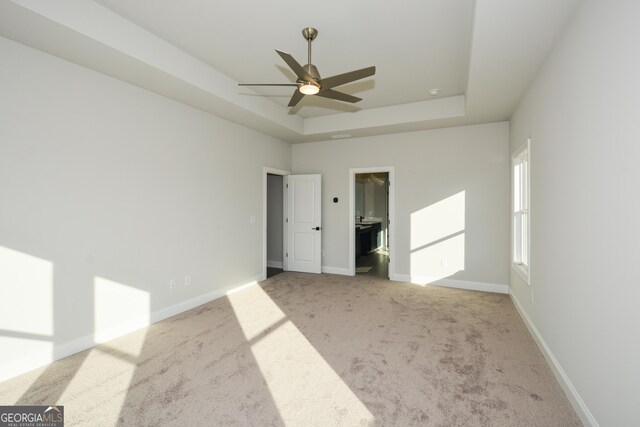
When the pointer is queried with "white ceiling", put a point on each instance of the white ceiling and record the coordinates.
(481, 54)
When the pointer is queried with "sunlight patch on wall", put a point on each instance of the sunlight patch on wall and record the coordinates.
(26, 293)
(299, 379)
(26, 304)
(438, 240)
(118, 310)
(438, 221)
(438, 261)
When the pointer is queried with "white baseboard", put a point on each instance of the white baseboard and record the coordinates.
(35, 360)
(567, 386)
(473, 286)
(274, 264)
(452, 283)
(202, 299)
(336, 270)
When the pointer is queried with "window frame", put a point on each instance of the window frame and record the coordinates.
(521, 212)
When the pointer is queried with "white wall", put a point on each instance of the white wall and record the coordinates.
(582, 113)
(107, 192)
(465, 169)
(274, 220)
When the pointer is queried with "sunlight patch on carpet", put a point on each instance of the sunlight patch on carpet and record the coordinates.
(106, 367)
(302, 384)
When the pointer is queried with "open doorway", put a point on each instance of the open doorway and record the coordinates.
(371, 232)
(274, 208)
(372, 219)
(274, 225)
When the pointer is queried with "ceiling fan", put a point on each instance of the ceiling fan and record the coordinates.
(309, 81)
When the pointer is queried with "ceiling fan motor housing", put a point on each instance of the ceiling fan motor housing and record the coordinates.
(312, 71)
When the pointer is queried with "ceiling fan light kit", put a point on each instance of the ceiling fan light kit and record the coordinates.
(309, 81)
(309, 88)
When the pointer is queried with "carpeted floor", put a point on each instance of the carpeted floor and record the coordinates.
(307, 350)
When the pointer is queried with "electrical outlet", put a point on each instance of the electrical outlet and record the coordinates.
(187, 280)
(172, 284)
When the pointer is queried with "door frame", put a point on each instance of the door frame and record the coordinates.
(352, 216)
(272, 171)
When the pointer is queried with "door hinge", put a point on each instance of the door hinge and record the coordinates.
(287, 220)
(287, 185)
(287, 255)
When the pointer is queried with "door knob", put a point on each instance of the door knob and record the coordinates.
(316, 228)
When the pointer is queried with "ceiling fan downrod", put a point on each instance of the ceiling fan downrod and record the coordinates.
(310, 34)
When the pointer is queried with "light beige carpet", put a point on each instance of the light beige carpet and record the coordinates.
(307, 350)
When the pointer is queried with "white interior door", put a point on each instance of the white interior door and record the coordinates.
(304, 231)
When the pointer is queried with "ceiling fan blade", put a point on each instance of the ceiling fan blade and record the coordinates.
(334, 94)
(267, 84)
(349, 77)
(297, 68)
(297, 96)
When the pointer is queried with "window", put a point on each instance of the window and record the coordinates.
(521, 212)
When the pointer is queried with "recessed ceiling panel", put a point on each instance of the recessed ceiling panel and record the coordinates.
(415, 45)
